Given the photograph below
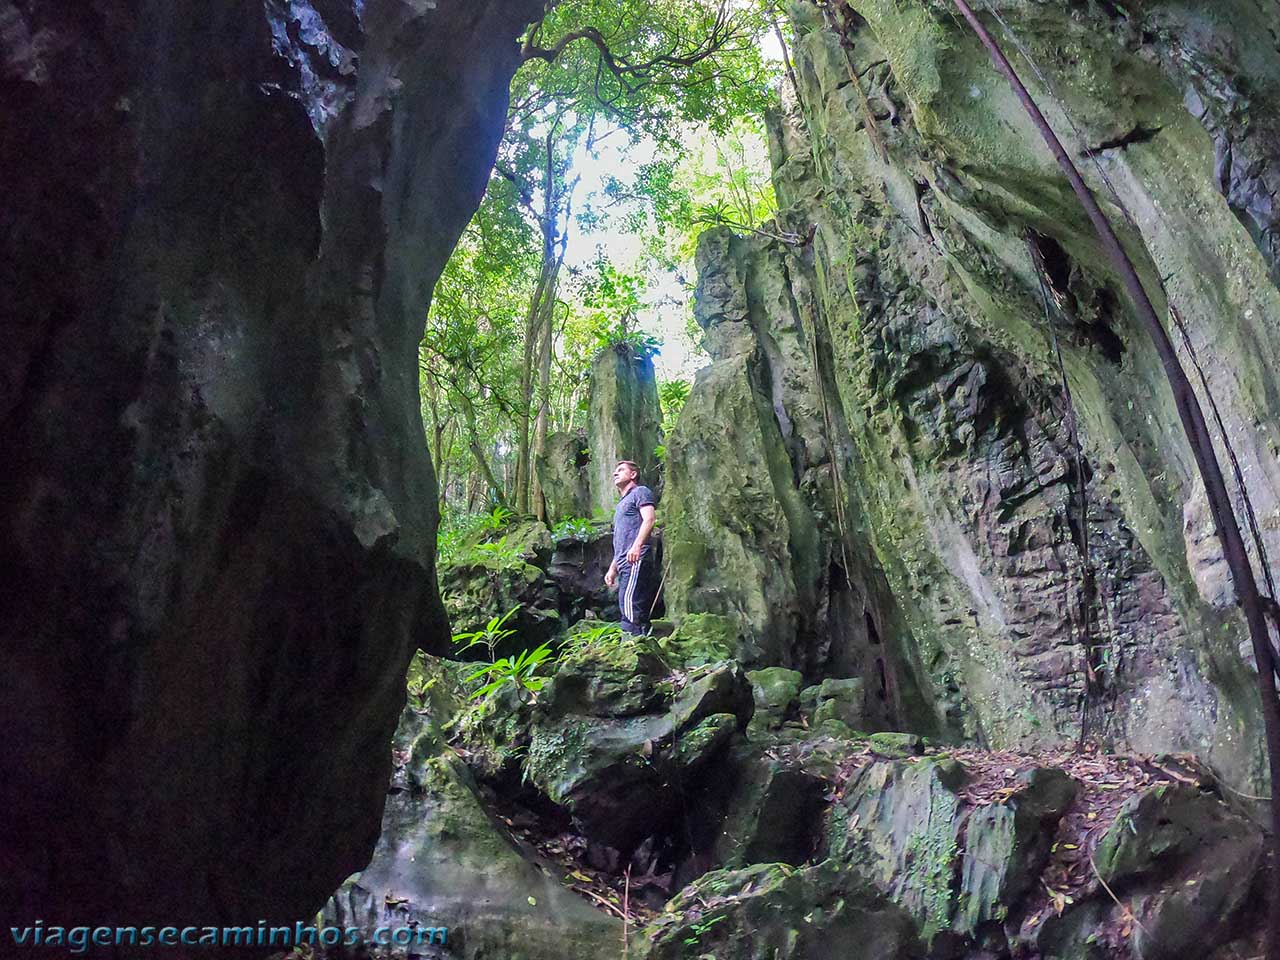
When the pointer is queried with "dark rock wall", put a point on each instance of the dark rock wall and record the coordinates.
(220, 227)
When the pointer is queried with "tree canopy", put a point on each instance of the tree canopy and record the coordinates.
(668, 95)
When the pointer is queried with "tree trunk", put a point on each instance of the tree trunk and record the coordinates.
(477, 451)
(545, 355)
(536, 316)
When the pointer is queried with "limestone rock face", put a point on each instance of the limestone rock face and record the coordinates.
(897, 359)
(221, 225)
(617, 746)
(499, 572)
(769, 911)
(564, 476)
(759, 523)
(624, 422)
(976, 855)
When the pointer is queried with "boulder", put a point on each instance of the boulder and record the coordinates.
(701, 638)
(901, 825)
(781, 787)
(578, 565)
(775, 691)
(564, 476)
(1189, 864)
(502, 571)
(443, 860)
(619, 756)
(772, 911)
(834, 699)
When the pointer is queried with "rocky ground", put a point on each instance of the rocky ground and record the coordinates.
(654, 799)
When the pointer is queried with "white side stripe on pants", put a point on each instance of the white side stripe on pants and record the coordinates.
(629, 607)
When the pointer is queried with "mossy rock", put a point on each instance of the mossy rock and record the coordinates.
(701, 638)
(839, 699)
(898, 825)
(1159, 826)
(775, 691)
(780, 793)
(603, 672)
(449, 863)
(1187, 867)
(895, 745)
(488, 579)
(1006, 847)
(622, 774)
(703, 741)
(772, 911)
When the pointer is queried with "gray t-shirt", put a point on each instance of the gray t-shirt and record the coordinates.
(627, 520)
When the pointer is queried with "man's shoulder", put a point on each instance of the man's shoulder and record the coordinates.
(643, 496)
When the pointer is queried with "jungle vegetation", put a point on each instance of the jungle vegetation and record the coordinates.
(632, 126)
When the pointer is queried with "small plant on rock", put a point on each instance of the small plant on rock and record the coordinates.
(583, 641)
(489, 636)
(518, 672)
(499, 550)
(496, 518)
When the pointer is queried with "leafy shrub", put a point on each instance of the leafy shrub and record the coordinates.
(672, 396)
(499, 550)
(459, 531)
(619, 335)
(573, 528)
(603, 641)
(496, 519)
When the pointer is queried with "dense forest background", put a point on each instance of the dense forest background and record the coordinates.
(631, 129)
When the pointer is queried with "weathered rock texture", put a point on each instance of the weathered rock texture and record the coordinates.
(564, 476)
(984, 855)
(935, 382)
(220, 228)
(550, 583)
(444, 861)
(624, 422)
(759, 523)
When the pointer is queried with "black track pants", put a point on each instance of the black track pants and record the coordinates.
(637, 585)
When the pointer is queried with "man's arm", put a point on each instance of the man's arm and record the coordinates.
(647, 517)
(611, 575)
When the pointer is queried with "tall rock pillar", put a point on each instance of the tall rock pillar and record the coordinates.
(625, 421)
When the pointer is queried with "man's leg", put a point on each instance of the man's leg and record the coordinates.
(635, 594)
(625, 579)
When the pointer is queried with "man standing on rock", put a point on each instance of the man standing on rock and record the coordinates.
(633, 566)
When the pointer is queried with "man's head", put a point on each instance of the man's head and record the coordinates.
(624, 475)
